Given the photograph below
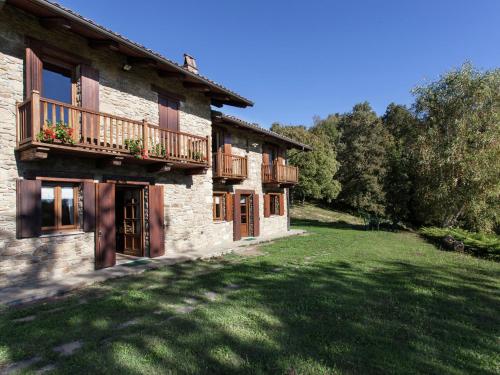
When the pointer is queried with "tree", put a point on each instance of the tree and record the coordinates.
(363, 162)
(458, 149)
(317, 167)
(401, 123)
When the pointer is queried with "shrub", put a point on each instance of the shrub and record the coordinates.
(477, 243)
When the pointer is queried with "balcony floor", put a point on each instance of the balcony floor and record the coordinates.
(33, 151)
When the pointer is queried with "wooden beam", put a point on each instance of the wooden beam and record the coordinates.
(159, 168)
(217, 103)
(55, 23)
(110, 162)
(104, 44)
(35, 153)
(169, 74)
(218, 97)
(197, 86)
(141, 61)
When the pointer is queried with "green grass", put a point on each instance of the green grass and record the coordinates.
(476, 243)
(339, 300)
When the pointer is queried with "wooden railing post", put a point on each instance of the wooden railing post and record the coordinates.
(145, 138)
(207, 153)
(35, 114)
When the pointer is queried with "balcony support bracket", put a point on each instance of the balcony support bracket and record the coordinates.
(192, 171)
(34, 154)
(160, 168)
(110, 162)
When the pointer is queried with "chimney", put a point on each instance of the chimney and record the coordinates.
(190, 63)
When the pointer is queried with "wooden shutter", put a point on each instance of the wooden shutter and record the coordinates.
(282, 204)
(236, 217)
(281, 157)
(168, 112)
(256, 216)
(229, 207)
(173, 115)
(227, 143)
(34, 70)
(156, 221)
(265, 155)
(267, 205)
(88, 206)
(29, 208)
(105, 248)
(90, 87)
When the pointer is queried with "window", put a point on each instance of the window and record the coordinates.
(274, 204)
(57, 83)
(219, 203)
(59, 207)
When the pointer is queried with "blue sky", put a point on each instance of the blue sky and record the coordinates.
(299, 59)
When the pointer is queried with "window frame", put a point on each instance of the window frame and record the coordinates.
(274, 207)
(50, 62)
(59, 227)
(223, 202)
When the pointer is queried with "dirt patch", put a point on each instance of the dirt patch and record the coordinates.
(248, 251)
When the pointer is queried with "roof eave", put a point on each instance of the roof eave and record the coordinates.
(235, 99)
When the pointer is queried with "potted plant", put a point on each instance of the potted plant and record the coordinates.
(136, 148)
(58, 133)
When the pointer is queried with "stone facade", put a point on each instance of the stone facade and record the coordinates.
(188, 198)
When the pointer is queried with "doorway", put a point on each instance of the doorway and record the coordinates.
(244, 215)
(129, 214)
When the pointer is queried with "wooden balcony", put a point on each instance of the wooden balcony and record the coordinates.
(45, 126)
(228, 167)
(280, 174)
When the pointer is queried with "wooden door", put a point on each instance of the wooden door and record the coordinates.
(105, 247)
(244, 215)
(132, 222)
(156, 221)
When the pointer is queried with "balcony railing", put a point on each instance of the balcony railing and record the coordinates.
(89, 131)
(230, 166)
(279, 174)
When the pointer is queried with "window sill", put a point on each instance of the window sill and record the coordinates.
(62, 233)
(221, 221)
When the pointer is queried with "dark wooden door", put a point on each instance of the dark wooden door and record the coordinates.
(105, 247)
(244, 215)
(169, 113)
(156, 221)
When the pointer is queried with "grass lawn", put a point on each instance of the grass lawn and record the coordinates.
(340, 300)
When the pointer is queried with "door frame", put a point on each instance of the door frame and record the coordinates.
(247, 204)
(140, 187)
(237, 213)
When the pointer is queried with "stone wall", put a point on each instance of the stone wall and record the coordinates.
(187, 198)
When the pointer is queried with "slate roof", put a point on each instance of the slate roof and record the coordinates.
(222, 117)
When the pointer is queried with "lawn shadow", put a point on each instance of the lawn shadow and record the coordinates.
(318, 318)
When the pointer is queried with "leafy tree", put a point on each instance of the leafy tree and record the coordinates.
(458, 150)
(317, 167)
(363, 161)
(401, 123)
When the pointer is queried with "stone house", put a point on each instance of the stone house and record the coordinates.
(110, 150)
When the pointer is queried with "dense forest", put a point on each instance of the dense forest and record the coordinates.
(435, 163)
